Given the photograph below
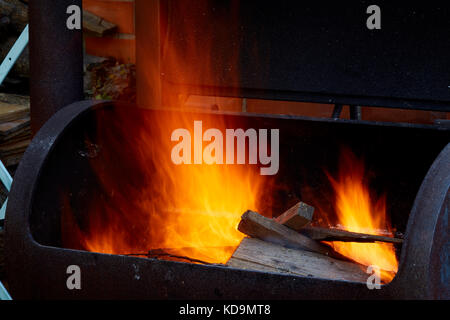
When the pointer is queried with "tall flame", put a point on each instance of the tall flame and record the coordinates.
(147, 202)
(358, 212)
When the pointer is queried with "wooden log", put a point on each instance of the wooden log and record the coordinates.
(255, 254)
(255, 225)
(297, 216)
(326, 234)
(10, 112)
(97, 26)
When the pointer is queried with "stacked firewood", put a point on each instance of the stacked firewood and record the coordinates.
(289, 244)
(15, 133)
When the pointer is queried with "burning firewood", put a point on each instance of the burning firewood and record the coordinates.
(255, 225)
(328, 234)
(297, 216)
(254, 254)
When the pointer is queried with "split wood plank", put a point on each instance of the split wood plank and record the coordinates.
(255, 225)
(10, 127)
(330, 234)
(12, 159)
(96, 25)
(13, 148)
(297, 216)
(15, 99)
(11, 112)
(16, 138)
(255, 254)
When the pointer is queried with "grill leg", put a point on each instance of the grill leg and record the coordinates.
(355, 112)
(337, 111)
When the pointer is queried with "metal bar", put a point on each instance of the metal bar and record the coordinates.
(6, 179)
(355, 112)
(56, 59)
(13, 54)
(337, 111)
(3, 210)
(244, 105)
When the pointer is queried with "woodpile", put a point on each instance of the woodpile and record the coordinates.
(15, 132)
(289, 245)
(96, 26)
(14, 18)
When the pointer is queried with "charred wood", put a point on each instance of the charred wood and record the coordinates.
(329, 234)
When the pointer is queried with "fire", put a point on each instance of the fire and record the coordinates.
(358, 212)
(140, 200)
(147, 202)
(186, 210)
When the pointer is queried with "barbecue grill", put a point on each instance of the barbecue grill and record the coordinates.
(404, 65)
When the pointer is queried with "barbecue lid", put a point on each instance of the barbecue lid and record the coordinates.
(317, 52)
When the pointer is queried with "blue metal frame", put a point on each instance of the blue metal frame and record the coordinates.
(4, 295)
(13, 54)
(5, 177)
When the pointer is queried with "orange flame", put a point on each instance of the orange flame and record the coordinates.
(186, 210)
(358, 212)
(146, 202)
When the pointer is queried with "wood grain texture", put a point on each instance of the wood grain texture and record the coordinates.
(15, 99)
(14, 126)
(255, 225)
(255, 254)
(10, 112)
(120, 13)
(97, 26)
(297, 216)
